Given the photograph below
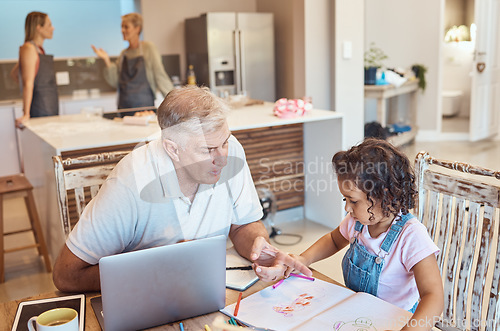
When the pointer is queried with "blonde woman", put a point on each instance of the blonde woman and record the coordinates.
(138, 73)
(38, 78)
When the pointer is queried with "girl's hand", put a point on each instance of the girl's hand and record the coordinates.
(298, 259)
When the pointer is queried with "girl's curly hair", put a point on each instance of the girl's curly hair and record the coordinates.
(382, 172)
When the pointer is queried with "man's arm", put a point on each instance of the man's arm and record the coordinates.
(243, 237)
(72, 274)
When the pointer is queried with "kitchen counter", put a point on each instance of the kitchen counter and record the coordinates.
(78, 134)
(63, 98)
(78, 131)
(12, 109)
(7, 103)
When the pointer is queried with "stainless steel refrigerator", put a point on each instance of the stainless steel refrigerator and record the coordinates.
(233, 53)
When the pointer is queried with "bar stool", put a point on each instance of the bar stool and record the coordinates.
(19, 183)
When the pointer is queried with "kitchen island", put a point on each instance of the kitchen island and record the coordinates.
(11, 109)
(266, 139)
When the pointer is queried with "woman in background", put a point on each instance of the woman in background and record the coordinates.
(138, 72)
(39, 87)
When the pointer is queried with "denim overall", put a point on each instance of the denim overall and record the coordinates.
(362, 269)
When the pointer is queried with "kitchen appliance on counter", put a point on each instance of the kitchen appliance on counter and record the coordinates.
(233, 53)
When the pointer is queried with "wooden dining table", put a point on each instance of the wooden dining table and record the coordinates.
(8, 309)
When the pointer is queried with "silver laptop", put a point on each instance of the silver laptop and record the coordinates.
(160, 285)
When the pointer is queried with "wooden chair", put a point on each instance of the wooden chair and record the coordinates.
(459, 204)
(78, 180)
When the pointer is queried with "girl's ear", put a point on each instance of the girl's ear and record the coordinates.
(172, 149)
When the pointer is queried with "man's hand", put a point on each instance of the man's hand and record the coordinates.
(270, 263)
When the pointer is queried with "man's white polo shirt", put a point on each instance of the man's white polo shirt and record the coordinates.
(141, 206)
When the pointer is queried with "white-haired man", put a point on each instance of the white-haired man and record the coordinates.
(191, 183)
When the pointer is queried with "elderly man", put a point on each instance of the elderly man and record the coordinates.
(191, 183)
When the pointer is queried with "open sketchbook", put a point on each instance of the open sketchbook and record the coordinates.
(238, 280)
(300, 304)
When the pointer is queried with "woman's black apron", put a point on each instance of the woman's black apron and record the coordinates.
(133, 87)
(45, 100)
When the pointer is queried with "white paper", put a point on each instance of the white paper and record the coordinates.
(62, 78)
(362, 311)
(296, 300)
(301, 304)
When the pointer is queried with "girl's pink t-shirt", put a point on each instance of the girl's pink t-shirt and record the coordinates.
(396, 282)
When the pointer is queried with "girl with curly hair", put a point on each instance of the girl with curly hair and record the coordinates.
(390, 254)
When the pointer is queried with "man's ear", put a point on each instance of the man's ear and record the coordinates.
(172, 149)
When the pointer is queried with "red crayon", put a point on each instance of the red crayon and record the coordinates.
(237, 305)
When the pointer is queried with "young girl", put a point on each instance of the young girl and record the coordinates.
(390, 254)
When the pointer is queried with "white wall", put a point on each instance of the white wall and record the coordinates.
(318, 38)
(290, 45)
(411, 32)
(349, 73)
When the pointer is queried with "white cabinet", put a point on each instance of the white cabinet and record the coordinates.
(107, 102)
(9, 164)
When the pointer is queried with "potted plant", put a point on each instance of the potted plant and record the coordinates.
(420, 70)
(374, 58)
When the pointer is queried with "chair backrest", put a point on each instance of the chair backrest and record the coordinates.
(459, 204)
(78, 180)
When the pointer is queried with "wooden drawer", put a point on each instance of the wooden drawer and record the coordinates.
(275, 156)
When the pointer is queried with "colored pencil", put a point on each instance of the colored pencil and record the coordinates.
(237, 307)
(279, 283)
(181, 326)
(301, 276)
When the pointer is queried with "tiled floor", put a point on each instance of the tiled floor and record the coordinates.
(25, 273)
(455, 124)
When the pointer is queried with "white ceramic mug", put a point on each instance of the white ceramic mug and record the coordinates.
(59, 319)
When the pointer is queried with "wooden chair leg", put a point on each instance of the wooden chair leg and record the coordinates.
(37, 229)
(31, 218)
(2, 260)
